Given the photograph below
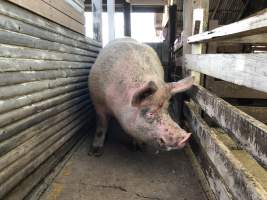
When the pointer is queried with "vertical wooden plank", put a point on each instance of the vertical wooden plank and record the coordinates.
(97, 19)
(170, 40)
(211, 48)
(187, 25)
(127, 19)
(111, 25)
(200, 24)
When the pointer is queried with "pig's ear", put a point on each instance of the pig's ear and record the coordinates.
(141, 95)
(181, 86)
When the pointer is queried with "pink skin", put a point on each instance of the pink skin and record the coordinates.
(136, 95)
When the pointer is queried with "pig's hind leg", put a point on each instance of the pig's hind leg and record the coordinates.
(97, 145)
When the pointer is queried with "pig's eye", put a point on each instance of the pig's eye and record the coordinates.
(149, 115)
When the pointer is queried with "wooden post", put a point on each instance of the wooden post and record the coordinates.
(187, 29)
(171, 39)
(200, 24)
(111, 25)
(127, 19)
(97, 19)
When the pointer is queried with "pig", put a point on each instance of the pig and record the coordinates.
(127, 82)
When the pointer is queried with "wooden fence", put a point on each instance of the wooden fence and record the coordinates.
(44, 98)
(233, 153)
(68, 13)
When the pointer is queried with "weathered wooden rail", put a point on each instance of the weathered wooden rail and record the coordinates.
(233, 155)
(44, 99)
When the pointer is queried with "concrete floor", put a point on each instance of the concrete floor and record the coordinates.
(123, 174)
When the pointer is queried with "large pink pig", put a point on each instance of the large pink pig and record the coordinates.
(127, 82)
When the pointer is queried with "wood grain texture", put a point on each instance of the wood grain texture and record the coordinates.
(20, 65)
(16, 128)
(8, 51)
(20, 101)
(225, 89)
(257, 39)
(242, 69)
(22, 15)
(42, 8)
(18, 39)
(259, 113)
(63, 113)
(67, 9)
(37, 139)
(11, 78)
(199, 25)
(50, 167)
(97, 20)
(23, 89)
(215, 182)
(41, 156)
(241, 182)
(251, 133)
(250, 26)
(44, 94)
(22, 113)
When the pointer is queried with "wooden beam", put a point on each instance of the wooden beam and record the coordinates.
(25, 52)
(258, 39)
(241, 69)
(250, 132)
(60, 115)
(42, 8)
(97, 19)
(127, 19)
(20, 20)
(23, 89)
(16, 103)
(27, 111)
(241, 178)
(148, 2)
(31, 162)
(187, 25)
(215, 10)
(33, 186)
(200, 24)
(225, 89)
(250, 26)
(215, 182)
(21, 150)
(187, 29)
(111, 23)
(67, 9)
(18, 39)
(243, 10)
(259, 113)
(172, 11)
(212, 47)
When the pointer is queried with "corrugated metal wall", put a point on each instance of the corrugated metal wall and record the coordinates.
(43, 96)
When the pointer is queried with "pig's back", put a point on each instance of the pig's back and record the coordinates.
(123, 65)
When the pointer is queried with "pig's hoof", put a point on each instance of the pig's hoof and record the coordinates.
(96, 151)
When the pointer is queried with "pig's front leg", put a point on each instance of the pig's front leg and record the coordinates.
(97, 145)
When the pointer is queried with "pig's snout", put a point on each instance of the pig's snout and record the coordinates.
(169, 142)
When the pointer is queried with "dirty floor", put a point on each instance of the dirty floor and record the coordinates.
(122, 174)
